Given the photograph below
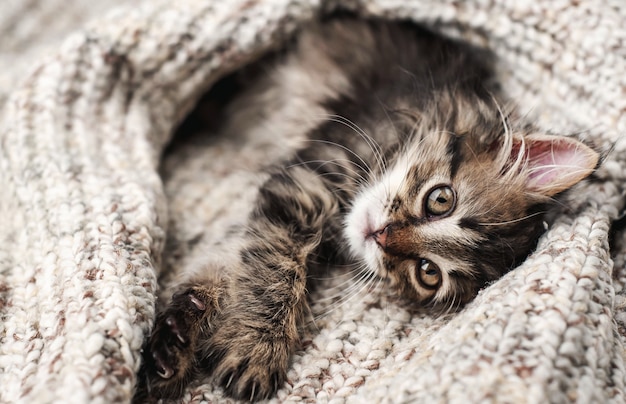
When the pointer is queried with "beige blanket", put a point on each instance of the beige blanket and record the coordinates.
(90, 213)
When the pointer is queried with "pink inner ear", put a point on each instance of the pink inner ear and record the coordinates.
(556, 163)
(547, 161)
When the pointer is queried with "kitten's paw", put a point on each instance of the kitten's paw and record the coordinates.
(170, 354)
(248, 364)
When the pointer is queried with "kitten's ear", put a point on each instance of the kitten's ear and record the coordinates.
(555, 163)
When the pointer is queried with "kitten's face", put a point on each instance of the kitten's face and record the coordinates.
(460, 207)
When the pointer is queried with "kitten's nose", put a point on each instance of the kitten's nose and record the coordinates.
(380, 236)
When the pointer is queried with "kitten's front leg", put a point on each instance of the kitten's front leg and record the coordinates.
(238, 318)
(249, 352)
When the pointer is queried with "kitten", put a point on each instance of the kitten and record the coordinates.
(416, 169)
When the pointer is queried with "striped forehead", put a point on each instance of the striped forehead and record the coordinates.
(424, 162)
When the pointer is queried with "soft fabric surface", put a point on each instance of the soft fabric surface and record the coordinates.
(90, 215)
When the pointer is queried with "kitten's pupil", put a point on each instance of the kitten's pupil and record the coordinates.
(429, 274)
(440, 201)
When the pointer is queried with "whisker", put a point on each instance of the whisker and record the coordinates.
(513, 221)
(360, 179)
(364, 166)
(357, 271)
(360, 276)
(360, 284)
(372, 144)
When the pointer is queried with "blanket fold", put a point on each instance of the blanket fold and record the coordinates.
(86, 206)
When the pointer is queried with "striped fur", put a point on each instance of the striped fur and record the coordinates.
(388, 113)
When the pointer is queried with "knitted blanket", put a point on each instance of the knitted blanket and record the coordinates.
(92, 211)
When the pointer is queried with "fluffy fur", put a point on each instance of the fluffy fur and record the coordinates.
(407, 166)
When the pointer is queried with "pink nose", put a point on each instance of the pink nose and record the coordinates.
(380, 236)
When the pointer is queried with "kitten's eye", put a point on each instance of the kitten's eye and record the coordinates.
(440, 200)
(429, 274)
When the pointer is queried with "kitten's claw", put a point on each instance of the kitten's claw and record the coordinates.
(175, 329)
(164, 371)
(199, 304)
(248, 364)
(169, 358)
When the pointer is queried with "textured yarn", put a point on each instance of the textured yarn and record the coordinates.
(91, 213)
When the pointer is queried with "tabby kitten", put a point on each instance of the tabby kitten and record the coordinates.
(415, 168)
